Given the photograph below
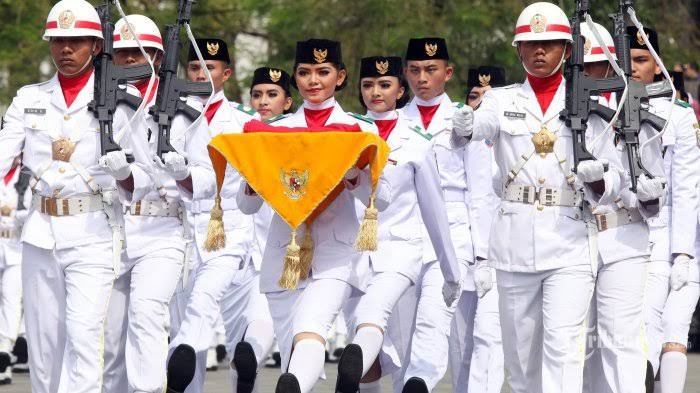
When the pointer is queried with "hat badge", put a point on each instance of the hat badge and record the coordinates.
(213, 48)
(320, 55)
(275, 75)
(126, 32)
(587, 46)
(431, 49)
(484, 80)
(382, 66)
(640, 39)
(66, 19)
(538, 23)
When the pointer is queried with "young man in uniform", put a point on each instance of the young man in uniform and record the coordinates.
(476, 351)
(673, 282)
(67, 274)
(225, 280)
(539, 241)
(425, 314)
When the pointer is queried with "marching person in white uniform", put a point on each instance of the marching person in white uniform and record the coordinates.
(226, 280)
(615, 349)
(12, 215)
(539, 240)
(303, 316)
(673, 282)
(67, 275)
(395, 265)
(476, 351)
(423, 316)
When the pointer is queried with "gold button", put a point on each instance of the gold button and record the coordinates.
(61, 170)
(541, 180)
(66, 117)
(540, 207)
(56, 193)
(33, 125)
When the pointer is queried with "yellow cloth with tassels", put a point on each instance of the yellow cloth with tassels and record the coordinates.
(298, 174)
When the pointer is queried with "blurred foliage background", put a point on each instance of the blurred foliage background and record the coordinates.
(264, 32)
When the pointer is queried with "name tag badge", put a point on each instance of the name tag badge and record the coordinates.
(514, 115)
(35, 111)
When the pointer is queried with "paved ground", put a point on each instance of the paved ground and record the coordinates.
(217, 382)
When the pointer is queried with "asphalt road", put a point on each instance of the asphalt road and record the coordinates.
(218, 381)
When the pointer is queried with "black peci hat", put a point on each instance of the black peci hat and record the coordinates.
(275, 76)
(378, 66)
(637, 42)
(211, 49)
(427, 49)
(486, 76)
(318, 51)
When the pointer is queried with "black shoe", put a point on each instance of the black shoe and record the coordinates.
(246, 366)
(20, 350)
(649, 380)
(278, 359)
(349, 370)
(220, 353)
(287, 383)
(415, 385)
(181, 367)
(5, 361)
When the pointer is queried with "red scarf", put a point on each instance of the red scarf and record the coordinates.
(545, 88)
(73, 86)
(143, 86)
(9, 175)
(607, 96)
(427, 113)
(386, 127)
(316, 118)
(258, 126)
(211, 111)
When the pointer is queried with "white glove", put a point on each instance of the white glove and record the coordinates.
(451, 292)
(463, 122)
(649, 189)
(483, 279)
(680, 271)
(21, 217)
(176, 165)
(591, 171)
(114, 164)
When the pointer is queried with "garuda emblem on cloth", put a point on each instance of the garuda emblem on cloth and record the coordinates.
(294, 183)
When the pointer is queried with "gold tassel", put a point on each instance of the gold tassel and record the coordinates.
(216, 236)
(292, 262)
(367, 235)
(307, 253)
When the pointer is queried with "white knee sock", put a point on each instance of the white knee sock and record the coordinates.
(260, 336)
(307, 362)
(370, 340)
(371, 387)
(674, 366)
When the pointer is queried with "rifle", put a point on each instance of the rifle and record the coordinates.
(580, 88)
(172, 89)
(633, 113)
(108, 78)
(21, 186)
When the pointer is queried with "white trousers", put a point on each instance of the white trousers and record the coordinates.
(10, 297)
(421, 329)
(476, 350)
(66, 293)
(616, 355)
(312, 309)
(136, 338)
(667, 313)
(543, 322)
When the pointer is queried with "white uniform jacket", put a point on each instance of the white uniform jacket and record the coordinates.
(528, 237)
(333, 231)
(10, 247)
(673, 230)
(37, 117)
(417, 199)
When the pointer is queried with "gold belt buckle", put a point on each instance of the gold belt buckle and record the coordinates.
(49, 206)
(62, 149)
(601, 221)
(5, 211)
(137, 208)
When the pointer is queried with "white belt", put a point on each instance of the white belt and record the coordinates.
(542, 195)
(454, 195)
(7, 234)
(617, 219)
(155, 209)
(205, 205)
(67, 206)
